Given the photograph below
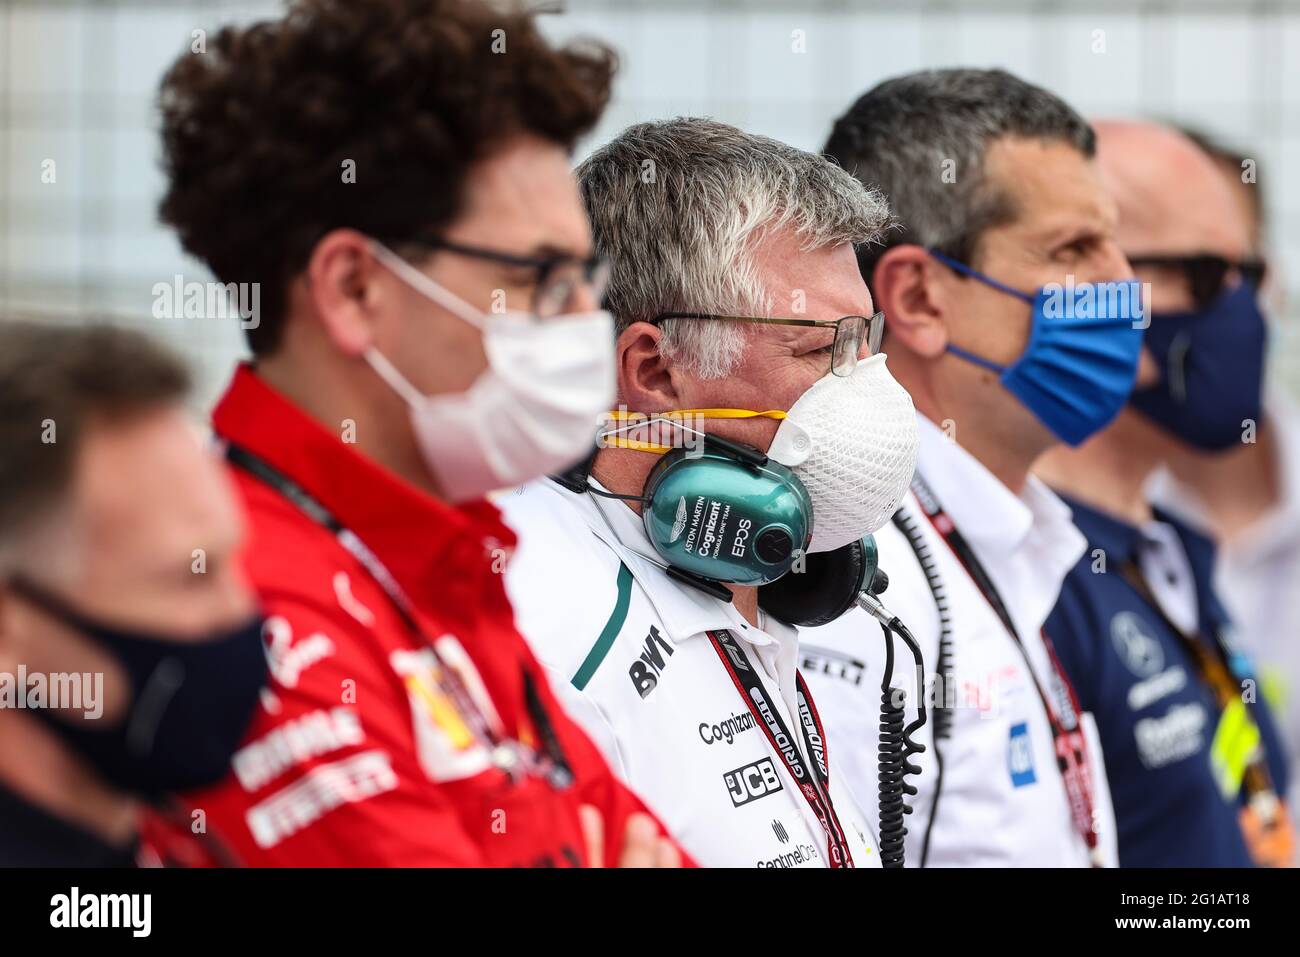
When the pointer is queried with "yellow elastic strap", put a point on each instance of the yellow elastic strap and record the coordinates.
(625, 415)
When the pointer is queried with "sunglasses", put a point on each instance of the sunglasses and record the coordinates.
(1206, 275)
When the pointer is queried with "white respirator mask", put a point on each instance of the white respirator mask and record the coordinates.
(852, 441)
(534, 410)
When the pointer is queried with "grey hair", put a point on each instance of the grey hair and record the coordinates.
(678, 207)
(903, 134)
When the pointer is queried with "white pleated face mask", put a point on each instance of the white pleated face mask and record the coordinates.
(852, 441)
(534, 410)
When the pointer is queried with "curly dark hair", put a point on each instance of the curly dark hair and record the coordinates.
(256, 130)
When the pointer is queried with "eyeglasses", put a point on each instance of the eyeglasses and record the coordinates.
(559, 279)
(850, 333)
(1206, 274)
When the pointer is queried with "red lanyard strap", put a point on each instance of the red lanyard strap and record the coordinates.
(814, 782)
(1062, 706)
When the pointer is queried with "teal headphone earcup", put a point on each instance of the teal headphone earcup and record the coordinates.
(714, 516)
(827, 586)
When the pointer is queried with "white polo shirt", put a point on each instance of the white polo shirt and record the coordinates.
(630, 659)
(1002, 801)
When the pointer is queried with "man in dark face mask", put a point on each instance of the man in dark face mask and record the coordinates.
(1247, 496)
(1189, 743)
(130, 646)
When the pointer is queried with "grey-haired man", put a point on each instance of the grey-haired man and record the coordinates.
(741, 316)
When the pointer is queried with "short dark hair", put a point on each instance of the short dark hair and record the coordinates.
(899, 135)
(68, 379)
(257, 129)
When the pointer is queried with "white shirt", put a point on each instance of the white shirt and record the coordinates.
(1258, 580)
(629, 658)
(1002, 801)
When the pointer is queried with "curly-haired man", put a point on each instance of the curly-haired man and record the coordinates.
(395, 176)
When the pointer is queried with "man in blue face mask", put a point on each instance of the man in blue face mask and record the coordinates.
(1194, 761)
(1012, 321)
(131, 655)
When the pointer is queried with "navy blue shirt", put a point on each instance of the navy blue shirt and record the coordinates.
(31, 836)
(1155, 715)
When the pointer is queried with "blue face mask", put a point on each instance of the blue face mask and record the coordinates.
(1212, 370)
(1079, 366)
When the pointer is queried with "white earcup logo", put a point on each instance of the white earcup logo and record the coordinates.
(679, 523)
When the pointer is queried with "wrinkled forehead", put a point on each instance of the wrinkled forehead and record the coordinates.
(822, 283)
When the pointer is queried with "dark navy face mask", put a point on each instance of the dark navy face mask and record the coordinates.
(1211, 370)
(191, 702)
(1079, 366)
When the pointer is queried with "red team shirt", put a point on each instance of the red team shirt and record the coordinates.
(355, 757)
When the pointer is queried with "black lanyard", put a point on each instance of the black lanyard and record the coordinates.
(507, 754)
(814, 782)
(1068, 740)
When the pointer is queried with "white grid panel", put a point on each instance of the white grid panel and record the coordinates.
(78, 81)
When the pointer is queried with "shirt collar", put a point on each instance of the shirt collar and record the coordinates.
(416, 536)
(990, 515)
(1123, 541)
(684, 610)
(1114, 536)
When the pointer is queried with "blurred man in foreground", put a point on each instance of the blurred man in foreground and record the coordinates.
(1011, 322)
(430, 331)
(756, 410)
(1194, 761)
(130, 647)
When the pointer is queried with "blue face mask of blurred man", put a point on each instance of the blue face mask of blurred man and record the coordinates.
(1079, 366)
(1211, 370)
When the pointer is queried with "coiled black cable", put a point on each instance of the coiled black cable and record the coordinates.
(896, 746)
(893, 787)
(946, 687)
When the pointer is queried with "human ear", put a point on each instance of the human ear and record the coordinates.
(646, 379)
(346, 286)
(909, 288)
